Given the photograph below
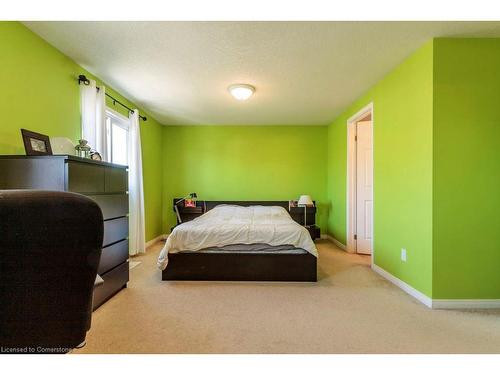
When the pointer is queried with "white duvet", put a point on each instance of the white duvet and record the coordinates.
(227, 225)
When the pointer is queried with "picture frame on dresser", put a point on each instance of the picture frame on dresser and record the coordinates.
(103, 182)
(36, 143)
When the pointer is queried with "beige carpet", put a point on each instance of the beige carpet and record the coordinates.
(132, 264)
(350, 310)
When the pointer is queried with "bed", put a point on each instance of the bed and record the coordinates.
(240, 243)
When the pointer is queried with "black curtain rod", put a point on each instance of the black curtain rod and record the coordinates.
(85, 81)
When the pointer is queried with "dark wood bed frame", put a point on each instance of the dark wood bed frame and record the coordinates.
(246, 266)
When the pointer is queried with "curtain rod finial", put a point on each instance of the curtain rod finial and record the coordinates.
(82, 78)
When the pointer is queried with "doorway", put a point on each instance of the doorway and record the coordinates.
(360, 182)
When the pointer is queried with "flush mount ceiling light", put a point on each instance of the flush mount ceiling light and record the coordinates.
(241, 91)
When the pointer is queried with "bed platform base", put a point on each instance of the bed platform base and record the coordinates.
(240, 267)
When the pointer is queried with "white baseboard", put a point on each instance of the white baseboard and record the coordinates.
(466, 303)
(427, 301)
(156, 239)
(337, 243)
(438, 303)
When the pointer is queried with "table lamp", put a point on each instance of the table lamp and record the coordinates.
(305, 201)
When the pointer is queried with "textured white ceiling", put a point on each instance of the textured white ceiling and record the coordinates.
(304, 72)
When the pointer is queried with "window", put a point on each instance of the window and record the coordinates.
(117, 137)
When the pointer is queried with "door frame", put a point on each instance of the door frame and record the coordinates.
(351, 177)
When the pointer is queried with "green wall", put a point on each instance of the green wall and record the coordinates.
(402, 169)
(436, 169)
(466, 168)
(245, 163)
(39, 92)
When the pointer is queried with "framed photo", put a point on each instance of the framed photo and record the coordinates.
(36, 143)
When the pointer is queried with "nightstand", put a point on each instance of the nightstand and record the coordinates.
(189, 213)
(297, 214)
(314, 231)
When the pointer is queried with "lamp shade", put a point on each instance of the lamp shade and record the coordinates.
(305, 200)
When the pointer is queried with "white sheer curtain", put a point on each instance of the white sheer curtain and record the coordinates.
(93, 112)
(137, 242)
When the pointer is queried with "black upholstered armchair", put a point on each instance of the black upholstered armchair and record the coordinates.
(50, 245)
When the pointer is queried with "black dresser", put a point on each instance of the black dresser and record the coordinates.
(105, 183)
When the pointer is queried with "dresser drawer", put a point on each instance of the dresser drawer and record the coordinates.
(30, 173)
(85, 178)
(115, 230)
(116, 180)
(112, 256)
(114, 280)
(112, 205)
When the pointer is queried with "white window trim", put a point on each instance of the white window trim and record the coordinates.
(125, 121)
(121, 121)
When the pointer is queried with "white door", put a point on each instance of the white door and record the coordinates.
(364, 187)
